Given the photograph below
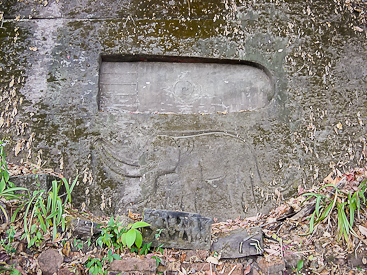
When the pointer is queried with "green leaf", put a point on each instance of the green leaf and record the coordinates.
(6, 175)
(130, 237)
(317, 207)
(63, 224)
(123, 239)
(138, 239)
(52, 215)
(100, 241)
(13, 189)
(2, 185)
(299, 265)
(54, 233)
(140, 224)
(49, 203)
(54, 195)
(74, 183)
(116, 256)
(16, 212)
(111, 222)
(60, 210)
(66, 184)
(33, 228)
(312, 222)
(42, 223)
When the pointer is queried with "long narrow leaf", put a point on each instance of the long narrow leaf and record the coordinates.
(330, 185)
(16, 212)
(73, 184)
(25, 221)
(60, 210)
(318, 206)
(49, 203)
(140, 224)
(52, 215)
(6, 174)
(13, 189)
(54, 228)
(67, 190)
(63, 224)
(54, 195)
(312, 220)
(2, 185)
(5, 213)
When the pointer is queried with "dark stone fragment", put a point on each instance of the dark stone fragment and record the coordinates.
(31, 182)
(239, 243)
(83, 229)
(178, 229)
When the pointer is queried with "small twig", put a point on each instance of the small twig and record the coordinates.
(355, 251)
(232, 270)
(306, 251)
(279, 228)
(263, 225)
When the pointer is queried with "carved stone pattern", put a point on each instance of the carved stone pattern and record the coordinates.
(177, 229)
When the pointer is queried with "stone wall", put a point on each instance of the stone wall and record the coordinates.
(218, 164)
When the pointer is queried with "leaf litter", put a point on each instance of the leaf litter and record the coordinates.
(287, 236)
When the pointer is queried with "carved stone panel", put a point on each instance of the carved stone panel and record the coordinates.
(239, 243)
(191, 173)
(180, 230)
(184, 87)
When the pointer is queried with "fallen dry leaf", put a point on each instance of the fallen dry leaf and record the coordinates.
(66, 249)
(358, 29)
(329, 178)
(247, 270)
(212, 260)
(363, 230)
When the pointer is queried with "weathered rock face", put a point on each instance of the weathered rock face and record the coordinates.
(218, 164)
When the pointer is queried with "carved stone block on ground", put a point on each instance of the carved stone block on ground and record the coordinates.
(178, 229)
(239, 243)
(31, 182)
(82, 229)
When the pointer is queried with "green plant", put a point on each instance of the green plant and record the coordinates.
(88, 242)
(109, 234)
(115, 235)
(157, 260)
(78, 244)
(7, 242)
(47, 208)
(12, 270)
(346, 204)
(7, 188)
(111, 256)
(36, 236)
(159, 248)
(132, 235)
(144, 249)
(97, 266)
(299, 266)
(147, 246)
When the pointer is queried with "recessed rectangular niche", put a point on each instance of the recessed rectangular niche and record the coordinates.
(182, 85)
